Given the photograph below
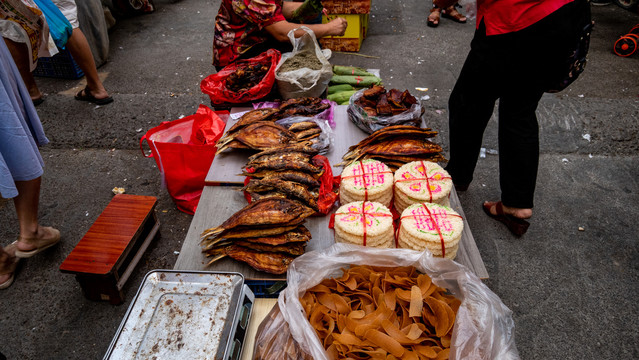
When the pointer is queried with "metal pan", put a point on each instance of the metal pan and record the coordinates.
(185, 315)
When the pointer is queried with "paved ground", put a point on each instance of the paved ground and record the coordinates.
(573, 293)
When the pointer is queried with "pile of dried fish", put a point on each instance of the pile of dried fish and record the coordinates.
(376, 101)
(307, 106)
(246, 77)
(285, 172)
(396, 146)
(257, 129)
(267, 234)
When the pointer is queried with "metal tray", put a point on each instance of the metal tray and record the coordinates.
(185, 315)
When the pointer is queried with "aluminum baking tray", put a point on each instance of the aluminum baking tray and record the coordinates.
(185, 315)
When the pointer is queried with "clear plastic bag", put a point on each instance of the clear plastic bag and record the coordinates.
(370, 124)
(484, 328)
(324, 141)
(303, 82)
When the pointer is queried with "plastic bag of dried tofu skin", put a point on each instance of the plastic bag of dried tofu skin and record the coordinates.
(483, 329)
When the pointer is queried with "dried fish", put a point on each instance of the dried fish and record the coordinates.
(259, 135)
(270, 262)
(253, 116)
(303, 125)
(289, 188)
(287, 175)
(266, 212)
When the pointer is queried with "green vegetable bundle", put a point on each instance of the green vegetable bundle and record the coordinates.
(356, 80)
(341, 97)
(350, 70)
(340, 87)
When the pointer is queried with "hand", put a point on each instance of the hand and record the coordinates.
(337, 26)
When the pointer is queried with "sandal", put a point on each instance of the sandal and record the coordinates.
(453, 14)
(11, 268)
(516, 225)
(433, 18)
(42, 245)
(85, 95)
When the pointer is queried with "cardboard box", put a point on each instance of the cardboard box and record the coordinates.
(347, 6)
(352, 38)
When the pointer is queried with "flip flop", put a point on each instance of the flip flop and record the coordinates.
(516, 225)
(45, 244)
(38, 101)
(87, 96)
(452, 14)
(11, 269)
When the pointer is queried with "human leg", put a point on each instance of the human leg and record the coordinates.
(20, 55)
(519, 147)
(33, 237)
(471, 105)
(81, 52)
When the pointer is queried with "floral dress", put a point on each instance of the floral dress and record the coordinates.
(240, 24)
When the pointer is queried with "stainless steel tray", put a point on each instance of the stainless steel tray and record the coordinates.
(185, 315)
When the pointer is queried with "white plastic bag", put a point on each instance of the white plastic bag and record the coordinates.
(484, 328)
(303, 82)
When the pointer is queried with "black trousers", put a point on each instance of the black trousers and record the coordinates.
(515, 68)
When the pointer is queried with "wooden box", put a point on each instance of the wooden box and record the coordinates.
(106, 255)
(352, 38)
(347, 6)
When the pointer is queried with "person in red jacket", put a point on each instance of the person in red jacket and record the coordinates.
(519, 49)
(246, 28)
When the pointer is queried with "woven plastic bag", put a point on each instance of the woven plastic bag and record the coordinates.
(484, 328)
(303, 82)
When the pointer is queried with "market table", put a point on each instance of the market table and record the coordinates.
(218, 203)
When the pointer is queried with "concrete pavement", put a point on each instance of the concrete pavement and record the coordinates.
(572, 292)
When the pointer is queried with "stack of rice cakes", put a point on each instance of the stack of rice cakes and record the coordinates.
(430, 226)
(421, 182)
(365, 223)
(367, 180)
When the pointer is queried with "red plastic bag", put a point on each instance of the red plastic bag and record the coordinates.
(215, 85)
(184, 150)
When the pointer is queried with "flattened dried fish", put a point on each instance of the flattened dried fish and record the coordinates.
(270, 262)
(259, 135)
(303, 146)
(252, 117)
(308, 134)
(295, 249)
(251, 232)
(288, 188)
(303, 125)
(281, 165)
(266, 212)
(287, 175)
